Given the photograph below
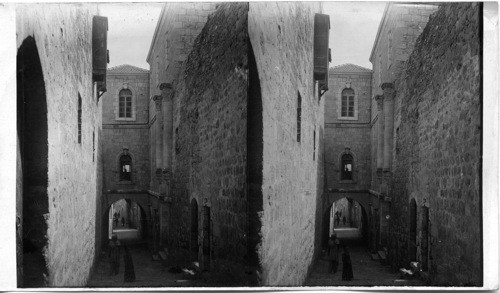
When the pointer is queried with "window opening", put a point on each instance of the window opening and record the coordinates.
(347, 103)
(347, 163)
(314, 144)
(125, 104)
(125, 168)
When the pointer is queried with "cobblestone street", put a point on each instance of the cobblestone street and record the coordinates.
(367, 272)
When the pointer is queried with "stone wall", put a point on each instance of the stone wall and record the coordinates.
(132, 134)
(281, 35)
(437, 147)
(401, 25)
(178, 26)
(63, 35)
(353, 134)
(209, 153)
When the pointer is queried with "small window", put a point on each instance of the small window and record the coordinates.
(347, 107)
(125, 104)
(314, 145)
(347, 163)
(125, 168)
(299, 115)
(79, 118)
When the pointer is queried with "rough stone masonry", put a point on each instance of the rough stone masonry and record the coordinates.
(63, 37)
(437, 147)
(245, 195)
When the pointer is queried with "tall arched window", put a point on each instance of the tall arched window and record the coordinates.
(125, 168)
(346, 167)
(347, 107)
(125, 104)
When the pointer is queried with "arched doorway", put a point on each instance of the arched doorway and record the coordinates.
(206, 239)
(127, 220)
(255, 154)
(194, 229)
(412, 243)
(32, 131)
(347, 218)
(424, 240)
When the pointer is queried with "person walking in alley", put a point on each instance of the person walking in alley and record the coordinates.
(347, 274)
(123, 222)
(343, 220)
(129, 274)
(333, 253)
(114, 255)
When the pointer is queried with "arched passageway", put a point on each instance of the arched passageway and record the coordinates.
(348, 219)
(127, 220)
(32, 131)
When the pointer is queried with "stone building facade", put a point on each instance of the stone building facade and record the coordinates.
(125, 128)
(399, 28)
(236, 150)
(426, 150)
(282, 37)
(125, 142)
(178, 26)
(59, 155)
(347, 141)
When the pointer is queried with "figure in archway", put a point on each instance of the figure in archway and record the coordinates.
(333, 253)
(114, 255)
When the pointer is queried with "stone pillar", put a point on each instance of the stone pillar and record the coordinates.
(158, 131)
(167, 108)
(380, 132)
(388, 124)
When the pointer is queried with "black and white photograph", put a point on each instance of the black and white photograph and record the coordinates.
(218, 145)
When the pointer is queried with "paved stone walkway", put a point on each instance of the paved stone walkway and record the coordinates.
(148, 273)
(151, 273)
(366, 272)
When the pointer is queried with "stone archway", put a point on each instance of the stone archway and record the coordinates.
(364, 199)
(141, 199)
(138, 219)
(32, 131)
